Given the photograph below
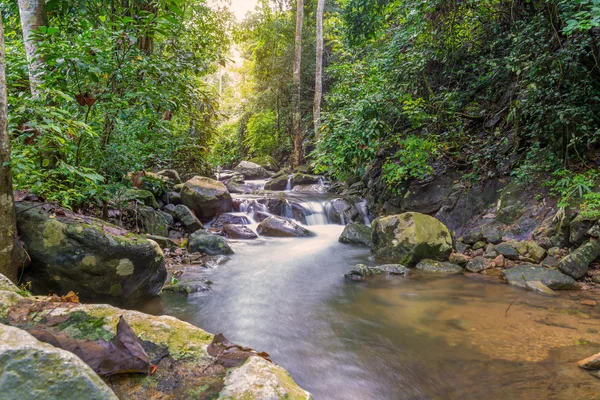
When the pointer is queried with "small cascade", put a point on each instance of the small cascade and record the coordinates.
(286, 210)
(364, 213)
(288, 187)
(258, 184)
(314, 213)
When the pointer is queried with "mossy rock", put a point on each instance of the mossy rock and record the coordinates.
(577, 263)
(206, 197)
(277, 183)
(251, 170)
(267, 162)
(143, 196)
(100, 261)
(409, 238)
(356, 233)
(205, 242)
(510, 204)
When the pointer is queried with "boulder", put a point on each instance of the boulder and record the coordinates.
(170, 174)
(472, 237)
(163, 242)
(239, 188)
(238, 232)
(356, 233)
(304, 179)
(277, 183)
(203, 241)
(478, 264)
(186, 217)
(361, 272)
(439, 267)
(154, 222)
(523, 273)
(267, 162)
(261, 379)
(507, 251)
(99, 261)
(251, 170)
(577, 263)
(35, 370)
(409, 238)
(229, 218)
(281, 227)
(578, 229)
(205, 197)
(179, 350)
(536, 252)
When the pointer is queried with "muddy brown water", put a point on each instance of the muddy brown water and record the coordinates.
(424, 337)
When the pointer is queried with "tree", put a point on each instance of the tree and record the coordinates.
(319, 69)
(33, 15)
(297, 133)
(8, 225)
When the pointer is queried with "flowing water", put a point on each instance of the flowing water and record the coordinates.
(422, 337)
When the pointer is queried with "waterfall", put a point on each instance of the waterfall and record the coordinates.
(288, 187)
(364, 213)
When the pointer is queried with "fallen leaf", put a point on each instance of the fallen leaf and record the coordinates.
(124, 354)
(231, 355)
(20, 195)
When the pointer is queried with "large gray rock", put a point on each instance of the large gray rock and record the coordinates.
(205, 197)
(205, 242)
(282, 227)
(186, 217)
(229, 218)
(238, 232)
(409, 238)
(36, 370)
(523, 273)
(100, 261)
(577, 263)
(251, 170)
(439, 267)
(356, 234)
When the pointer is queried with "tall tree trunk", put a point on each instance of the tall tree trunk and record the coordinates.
(319, 69)
(297, 132)
(8, 224)
(33, 15)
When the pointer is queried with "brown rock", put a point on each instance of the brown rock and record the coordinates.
(588, 302)
(499, 261)
(592, 362)
(477, 253)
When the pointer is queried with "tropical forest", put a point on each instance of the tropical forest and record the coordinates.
(299, 199)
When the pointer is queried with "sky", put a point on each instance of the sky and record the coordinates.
(241, 7)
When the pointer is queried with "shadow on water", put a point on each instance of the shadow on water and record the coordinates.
(416, 338)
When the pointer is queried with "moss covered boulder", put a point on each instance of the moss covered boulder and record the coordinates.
(35, 370)
(206, 197)
(267, 162)
(577, 263)
(100, 261)
(356, 233)
(203, 241)
(409, 238)
(279, 182)
(181, 352)
(520, 275)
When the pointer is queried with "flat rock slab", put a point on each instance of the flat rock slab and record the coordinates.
(524, 273)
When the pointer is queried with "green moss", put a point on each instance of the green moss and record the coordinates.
(81, 325)
(53, 233)
(115, 290)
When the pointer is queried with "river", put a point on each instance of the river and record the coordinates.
(422, 337)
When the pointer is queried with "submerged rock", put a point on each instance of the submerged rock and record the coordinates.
(537, 286)
(592, 362)
(282, 227)
(205, 197)
(238, 232)
(99, 261)
(251, 170)
(409, 238)
(356, 233)
(523, 273)
(35, 370)
(577, 263)
(439, 267)
(203, 241)
(361, 272)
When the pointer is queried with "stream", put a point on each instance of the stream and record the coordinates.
(422, 337)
